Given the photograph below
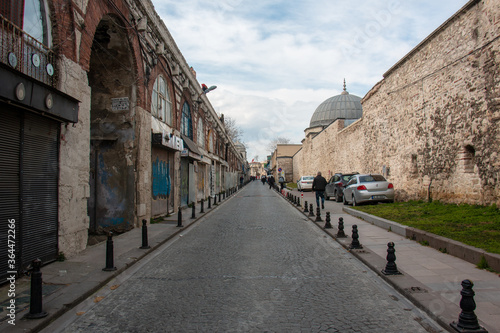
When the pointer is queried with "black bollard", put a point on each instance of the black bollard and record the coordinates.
(144, 235)
(223, 195)
(306, 210)
(311, 212)
(215, 199)
(328, 224)
(202, 203)
(318, 215)
(298, 201)
(110, 266)
(340, 232)
(467, 320)
(193, 212)
(36, 310)
(219, 197)
(209, 202)
(391, 268)
(355, 244)
(179, 218)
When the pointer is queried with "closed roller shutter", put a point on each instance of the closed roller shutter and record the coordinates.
(10, 131)
(39, 188)
(28, 187)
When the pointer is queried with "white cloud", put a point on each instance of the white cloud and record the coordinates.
(274, 61)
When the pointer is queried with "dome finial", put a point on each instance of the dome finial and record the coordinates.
(344, 92)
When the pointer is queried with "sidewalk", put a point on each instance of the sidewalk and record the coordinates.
(67, 283)
(430, 279)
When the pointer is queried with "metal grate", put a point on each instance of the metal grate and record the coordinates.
(22, 52)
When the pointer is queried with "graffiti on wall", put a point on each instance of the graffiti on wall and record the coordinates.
(161, 179)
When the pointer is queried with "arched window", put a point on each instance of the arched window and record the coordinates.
(161, 105)
(30, 15)
(200, 133)
(186, 122)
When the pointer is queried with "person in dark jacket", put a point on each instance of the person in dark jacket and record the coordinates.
(271, 181)
(319, 185)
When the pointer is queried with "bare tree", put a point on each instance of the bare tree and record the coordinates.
(233, 131)
(256, 158)
(271, 146)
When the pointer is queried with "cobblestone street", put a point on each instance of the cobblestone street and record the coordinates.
(255, 264)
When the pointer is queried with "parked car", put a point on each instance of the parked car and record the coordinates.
(305, 183)
(336, 184)
(368, 188)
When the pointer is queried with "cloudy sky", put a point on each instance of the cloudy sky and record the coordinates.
(275, 61)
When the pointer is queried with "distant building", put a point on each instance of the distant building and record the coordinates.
(282, 161)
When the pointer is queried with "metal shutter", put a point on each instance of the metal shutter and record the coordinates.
(39, 188)
(10, 131)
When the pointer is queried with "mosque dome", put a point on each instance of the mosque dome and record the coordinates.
(343, 106)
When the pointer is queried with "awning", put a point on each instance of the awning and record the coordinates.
(194, 152)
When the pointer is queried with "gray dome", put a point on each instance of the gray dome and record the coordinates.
(343, 106)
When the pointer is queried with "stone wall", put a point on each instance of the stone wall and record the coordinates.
(74, 165)
(431, 125)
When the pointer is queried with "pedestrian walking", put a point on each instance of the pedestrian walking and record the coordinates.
(282, 182)
(319, 185)
(263, 179)
(271, 181)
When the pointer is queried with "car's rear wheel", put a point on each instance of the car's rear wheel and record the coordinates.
(354, 203)
(345, 201)
(338, 197)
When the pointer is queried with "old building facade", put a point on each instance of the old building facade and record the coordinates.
(431, 124)
(281, 164)
(103, 124)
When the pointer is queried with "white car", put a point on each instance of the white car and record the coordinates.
(305, 183)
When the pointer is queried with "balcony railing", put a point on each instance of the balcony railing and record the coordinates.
(25, 54)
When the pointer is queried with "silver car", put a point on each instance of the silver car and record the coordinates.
(368, 188)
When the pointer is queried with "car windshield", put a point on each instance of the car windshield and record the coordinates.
(308, 178)
(371, 178)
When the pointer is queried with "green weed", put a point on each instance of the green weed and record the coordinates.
(474, 225)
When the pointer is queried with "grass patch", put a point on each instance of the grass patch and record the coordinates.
(291, 185)
(474, 225)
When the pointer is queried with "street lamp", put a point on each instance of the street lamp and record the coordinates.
(206, 90)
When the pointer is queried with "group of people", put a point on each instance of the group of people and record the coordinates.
(318, 186)
(271, 181)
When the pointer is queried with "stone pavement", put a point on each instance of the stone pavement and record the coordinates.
(67, 283)
(430, 278)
